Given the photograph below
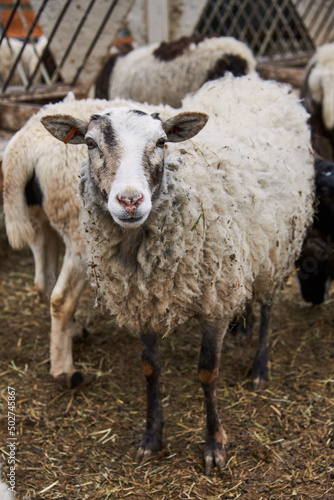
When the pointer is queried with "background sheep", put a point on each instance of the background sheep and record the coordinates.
(28, 60)
(316, 260)
(318, 95)
(165, 73)
(191, 232)
(41, 205)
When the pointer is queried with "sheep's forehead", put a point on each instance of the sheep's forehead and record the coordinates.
(125, 124)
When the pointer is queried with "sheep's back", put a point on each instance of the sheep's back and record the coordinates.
(259, 133)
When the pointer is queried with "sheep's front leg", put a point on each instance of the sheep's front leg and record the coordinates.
(208, 368)
(260, 366)
(152, 439)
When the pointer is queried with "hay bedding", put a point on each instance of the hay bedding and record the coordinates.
(78, 445)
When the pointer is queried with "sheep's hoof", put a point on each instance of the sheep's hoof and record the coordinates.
(214, 454)
(259, 383)
(75, 380)
(260, 371)
(149, 445)
(143, 455)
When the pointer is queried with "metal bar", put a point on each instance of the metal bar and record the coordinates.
(95, 39)
(3, 34)
(270, 31)
(266, 18)
(70, 45)
(215, 9)
(320, 26)
(32, 27)
(43, 68)
(329, 29)
(19, 65)
(55, 27)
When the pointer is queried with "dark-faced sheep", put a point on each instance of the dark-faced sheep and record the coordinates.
(316, 261)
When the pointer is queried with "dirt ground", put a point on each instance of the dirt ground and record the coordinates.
(81, 444)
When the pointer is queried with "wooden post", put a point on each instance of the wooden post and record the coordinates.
(157, 20)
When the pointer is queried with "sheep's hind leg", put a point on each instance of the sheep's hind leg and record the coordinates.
(208, 369)
(45, 249)
(152, 439)
(64, 300)
(260, 366)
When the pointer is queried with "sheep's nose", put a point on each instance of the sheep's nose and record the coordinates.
(130, 202)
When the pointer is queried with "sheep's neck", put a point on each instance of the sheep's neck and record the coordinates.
(126, 249)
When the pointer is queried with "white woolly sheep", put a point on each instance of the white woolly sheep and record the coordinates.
(192, 231)
(318, 96)
(9, 50)
(165, 73)
(41, 205)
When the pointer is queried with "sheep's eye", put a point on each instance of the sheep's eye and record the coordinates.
(161, 142)
(90, 143)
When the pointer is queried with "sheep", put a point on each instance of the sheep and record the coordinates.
(41, 207)
(183, 231)
(31, 222)
(9, 50)
(165, 73)
(318, 97)
(316, 261)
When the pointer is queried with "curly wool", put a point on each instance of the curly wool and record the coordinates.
(142, 77)
(231, 219)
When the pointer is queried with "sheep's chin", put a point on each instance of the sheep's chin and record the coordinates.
(130, 223)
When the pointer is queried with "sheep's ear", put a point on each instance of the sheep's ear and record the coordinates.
(66, 128)
(184, 126)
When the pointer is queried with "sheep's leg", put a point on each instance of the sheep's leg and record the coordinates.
(208, 369)
(45, 249)
(64, 300)
(152, 439)
(260, 366)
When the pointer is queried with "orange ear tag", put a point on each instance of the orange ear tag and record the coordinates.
(70, 134)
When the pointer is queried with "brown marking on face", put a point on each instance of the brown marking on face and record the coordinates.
(207, 376)
(106, 156)
(147, 369)
(154, 170)
(168, 51)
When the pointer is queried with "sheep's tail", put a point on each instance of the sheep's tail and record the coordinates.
(17, 171)
(328, 101)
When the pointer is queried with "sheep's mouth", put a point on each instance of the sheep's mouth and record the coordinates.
(131, 221)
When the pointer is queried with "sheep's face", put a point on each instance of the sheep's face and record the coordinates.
(126, 155)
(126, 150)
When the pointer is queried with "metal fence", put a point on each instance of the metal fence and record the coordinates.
(272, 28)
(72, 32)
